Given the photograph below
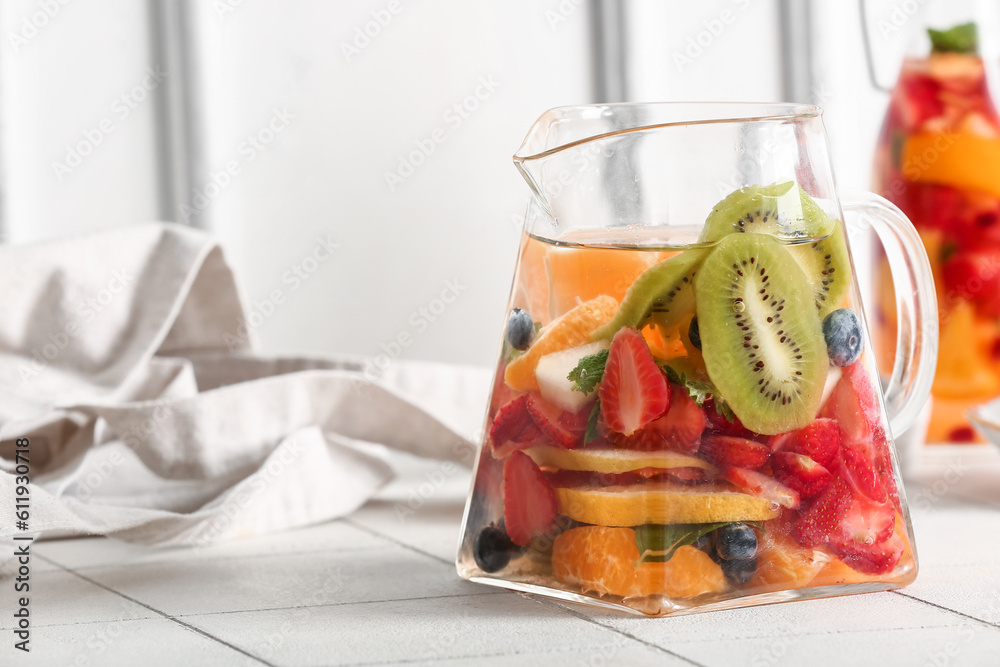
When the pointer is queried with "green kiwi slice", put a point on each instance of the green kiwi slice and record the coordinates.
(826, 265)
(762, 342)
(779, 209)
(664, 291)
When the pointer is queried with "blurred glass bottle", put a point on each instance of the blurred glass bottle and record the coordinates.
(938, 159)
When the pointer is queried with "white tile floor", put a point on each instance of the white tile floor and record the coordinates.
(378, 589)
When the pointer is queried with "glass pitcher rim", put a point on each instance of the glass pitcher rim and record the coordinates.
(764, 112)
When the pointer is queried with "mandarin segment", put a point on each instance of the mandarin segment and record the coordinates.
(604, 560)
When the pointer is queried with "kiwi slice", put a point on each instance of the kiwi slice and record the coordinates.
(826, 265)
(664, 291)
(779, 209)
(762, 342)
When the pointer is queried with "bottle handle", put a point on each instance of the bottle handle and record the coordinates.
(916, 307)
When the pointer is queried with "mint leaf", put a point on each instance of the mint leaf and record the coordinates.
(588, 372)
(657, 543)
(673, 376)
(592, 432)
(960, 39)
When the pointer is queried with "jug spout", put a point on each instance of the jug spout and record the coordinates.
(621, 165)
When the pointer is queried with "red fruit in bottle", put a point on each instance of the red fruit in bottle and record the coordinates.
(975, 276)
(820, 441)
(760, 485)
(920, 101)
(719, 425)
(823, 517)
(562, 428)
(529, 503)
(510, 420)
(854, 406)
(858, 470)
(877, 558)
(801, 473)
(679, 429)
(725, 450)
(633, 391)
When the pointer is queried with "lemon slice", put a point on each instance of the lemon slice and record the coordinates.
(612, 460)
(660, 503)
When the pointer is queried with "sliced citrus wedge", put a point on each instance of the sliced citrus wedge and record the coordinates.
(660, 503)
(570, 330)
(613, 461)
(964, 160)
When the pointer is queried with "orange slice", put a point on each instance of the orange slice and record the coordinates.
(660, 503)
(580, 274)
(613, 461)
(604, 560)
(964, 160)
(570, 330)
(964, 368)
(783, 564)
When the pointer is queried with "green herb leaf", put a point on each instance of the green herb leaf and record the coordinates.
(960, 39)
(588, 372)
(591, 432)
(723, 409)
(657, 543)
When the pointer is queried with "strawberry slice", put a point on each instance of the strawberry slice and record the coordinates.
(510, 420)
(762, 486)
(678, 430)
(858, 470)
(737, 452)
(820, 441)
(529, 503)
(633, 391)
(865, 522)
(801, 473)
(562, 430)
(815, 525)
(877, 558)
(719, 425)
(854, 405)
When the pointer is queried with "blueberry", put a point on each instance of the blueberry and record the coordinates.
(694, 333)
(739, 572)
(520, 329)
(844, 339)
(736, 541)
(705, 544)
(492, 549)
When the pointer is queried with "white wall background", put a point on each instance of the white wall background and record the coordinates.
(453, 219)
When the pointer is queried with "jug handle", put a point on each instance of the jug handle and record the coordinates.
(916, 306)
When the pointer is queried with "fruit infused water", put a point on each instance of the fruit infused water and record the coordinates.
(679, 429)
(939, 160)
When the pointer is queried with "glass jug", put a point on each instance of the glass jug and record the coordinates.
(685, 414)
(938, 159)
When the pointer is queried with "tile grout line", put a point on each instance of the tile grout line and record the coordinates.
(584, 617)
(943, 608)
(166, 616)
(396, 541)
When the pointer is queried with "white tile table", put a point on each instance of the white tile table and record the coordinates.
(374, 589)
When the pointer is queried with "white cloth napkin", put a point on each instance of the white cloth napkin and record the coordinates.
(125, 361)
